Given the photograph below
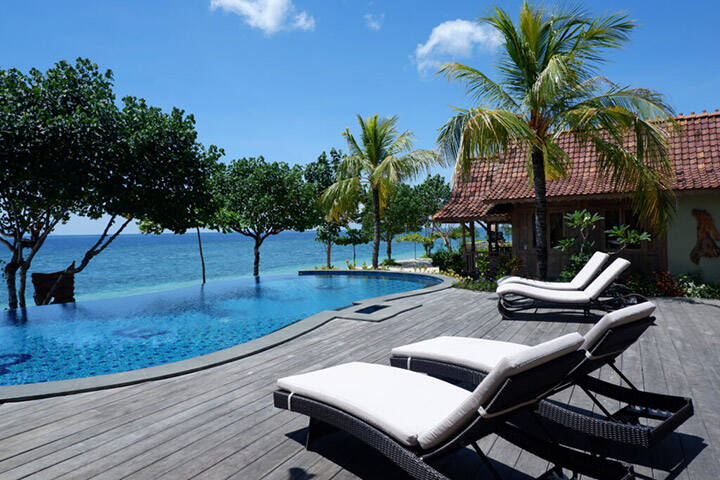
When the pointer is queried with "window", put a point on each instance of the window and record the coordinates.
(556, 228)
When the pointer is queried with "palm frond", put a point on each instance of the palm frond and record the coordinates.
(482, 133)
(479, 86)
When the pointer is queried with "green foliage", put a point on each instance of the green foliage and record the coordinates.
(583, 222)
(321, 174)
(505, 264)
(448, 260)
(547, 88)
(389, 262)
(382, 159)
(480, 285)
(432, 194)
(68, 149)
(259, 199)
(625, 236)
(427, 241)
(581, 247)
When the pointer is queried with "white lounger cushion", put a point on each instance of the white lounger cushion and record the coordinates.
(399, 402)
(544, 294)
(413, 408)
(477, 353)
(580, 281)
(483, 355)
(592, 292)
(615, 319)
(487, 389)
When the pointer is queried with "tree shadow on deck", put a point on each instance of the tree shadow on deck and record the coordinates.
(358, 458)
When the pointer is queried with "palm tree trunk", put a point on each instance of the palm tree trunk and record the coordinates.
(389, 248)
(538, 164)
(328, 251)
(202, 257)
(376, 234)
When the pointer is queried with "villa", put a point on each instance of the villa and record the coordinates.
(499, 193)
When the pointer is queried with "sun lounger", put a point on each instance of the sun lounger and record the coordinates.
(515, 297)
(469, 360)
(583, 278)
(414, 419)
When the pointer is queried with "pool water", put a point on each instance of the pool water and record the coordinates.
(97, 337)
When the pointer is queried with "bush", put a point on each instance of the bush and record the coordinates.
(506, 265)
(447, 260)
(481, 284)
(663, 284)
(389, 262)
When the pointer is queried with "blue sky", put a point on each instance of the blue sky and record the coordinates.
(283, 78)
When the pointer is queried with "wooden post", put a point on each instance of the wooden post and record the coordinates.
(472, 247)
(464, 247)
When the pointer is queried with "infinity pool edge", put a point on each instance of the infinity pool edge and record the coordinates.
(34, 391)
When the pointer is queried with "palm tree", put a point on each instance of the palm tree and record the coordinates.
(381, 159)
(548, 86)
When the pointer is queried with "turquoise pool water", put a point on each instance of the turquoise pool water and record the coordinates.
(97, 337)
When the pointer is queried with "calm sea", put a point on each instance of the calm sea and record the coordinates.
(144, 263)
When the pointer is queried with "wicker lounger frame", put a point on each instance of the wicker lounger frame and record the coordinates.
(417, 462)
(620, 428)
(612, 298)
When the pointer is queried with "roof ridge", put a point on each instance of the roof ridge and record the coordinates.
(704, 113)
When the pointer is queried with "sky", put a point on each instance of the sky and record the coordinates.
(284, 78)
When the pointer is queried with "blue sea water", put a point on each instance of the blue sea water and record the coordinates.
(103, 336)
(137, 263)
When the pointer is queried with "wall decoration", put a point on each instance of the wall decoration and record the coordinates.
(707, 234)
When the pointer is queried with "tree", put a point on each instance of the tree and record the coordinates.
(403, 213)
(259, 199)
(322, 174)
(427, 241)
(56, 128)
(381, 159)
(354, 237)
(434, 192)
(549, 87)
(328, 234)
(160, 175)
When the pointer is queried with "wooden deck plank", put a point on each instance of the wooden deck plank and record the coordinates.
(220, 423)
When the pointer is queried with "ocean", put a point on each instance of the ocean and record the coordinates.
(137, 263)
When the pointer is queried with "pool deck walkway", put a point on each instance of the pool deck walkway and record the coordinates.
(220, 423)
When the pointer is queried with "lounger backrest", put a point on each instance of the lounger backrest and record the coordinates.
(515, 381)
(612, 321)
(606, 278)
(589, 271)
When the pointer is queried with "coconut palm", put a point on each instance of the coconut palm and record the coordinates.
(548, 86)
(381, 159)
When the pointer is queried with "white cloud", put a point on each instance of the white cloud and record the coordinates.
(269, 16)
(374, 21)
(453, 40)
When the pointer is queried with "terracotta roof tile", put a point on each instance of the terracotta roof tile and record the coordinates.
(694, 152)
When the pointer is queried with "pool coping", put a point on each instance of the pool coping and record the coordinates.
(34, 391)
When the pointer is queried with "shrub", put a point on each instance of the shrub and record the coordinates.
(481, 284)
(389, 262)
(447, 260)
(506, 265)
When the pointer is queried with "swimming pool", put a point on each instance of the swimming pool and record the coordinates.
(98, 337)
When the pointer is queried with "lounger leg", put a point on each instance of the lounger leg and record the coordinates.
(316, 429)
(486, 461)
(620, 374)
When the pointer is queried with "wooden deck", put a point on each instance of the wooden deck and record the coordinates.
(220, 423)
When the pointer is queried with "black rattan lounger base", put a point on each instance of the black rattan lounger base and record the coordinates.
(417, 462)
(510, 305)
(622, 427)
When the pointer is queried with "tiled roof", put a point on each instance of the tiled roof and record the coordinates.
(694, 153)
